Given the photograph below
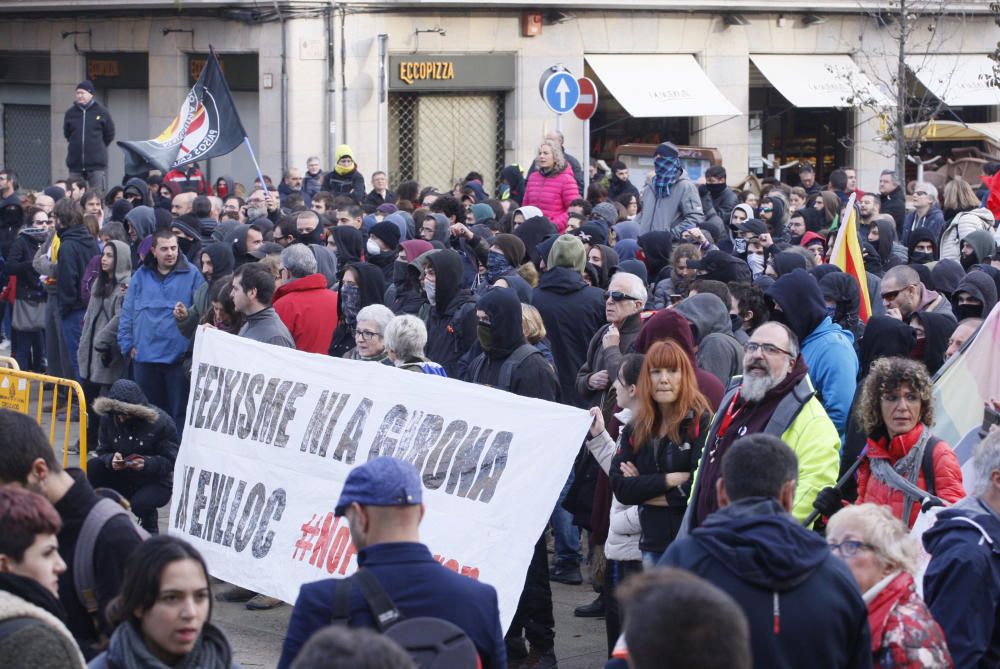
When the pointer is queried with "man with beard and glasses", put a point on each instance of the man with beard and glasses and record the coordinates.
(774, 396)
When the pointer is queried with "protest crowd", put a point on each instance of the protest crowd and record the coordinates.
(762, 436)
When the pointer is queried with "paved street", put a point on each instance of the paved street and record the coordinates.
(256, 635)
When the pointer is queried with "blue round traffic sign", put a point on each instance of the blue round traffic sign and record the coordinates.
(561, 92)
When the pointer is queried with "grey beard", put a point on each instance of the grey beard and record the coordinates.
(254, 213)
(754, 388)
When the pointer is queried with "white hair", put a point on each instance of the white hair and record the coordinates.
(986, 460)
(379, 314)
(928, 188)
(636, 286)
(875, 525)
(406, 337)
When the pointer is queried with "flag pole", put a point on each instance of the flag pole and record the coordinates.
(263, 184)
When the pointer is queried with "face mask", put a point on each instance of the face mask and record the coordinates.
(314, 236)
(350, 297)
(373, 248)
(429, 289)
(739, 246)
(917, 352)
(756, 263)
(716, 189)
(485, 335)
(921, 257)
(496, 266)
(184, 244)
(963, 311)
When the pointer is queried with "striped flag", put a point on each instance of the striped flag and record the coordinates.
(846, 255)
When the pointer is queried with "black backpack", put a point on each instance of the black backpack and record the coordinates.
(513, 361)
(433, 643)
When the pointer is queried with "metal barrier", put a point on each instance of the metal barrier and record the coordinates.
(26, 392)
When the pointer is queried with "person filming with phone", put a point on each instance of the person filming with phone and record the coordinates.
(136, 448)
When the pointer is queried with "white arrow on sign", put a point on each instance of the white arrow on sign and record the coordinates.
(561, 90)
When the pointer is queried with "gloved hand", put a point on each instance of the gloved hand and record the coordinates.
(828, 501)
(105, 355)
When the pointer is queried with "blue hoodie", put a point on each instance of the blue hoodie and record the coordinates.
(962, 582)
(802, 603)
(827, 349)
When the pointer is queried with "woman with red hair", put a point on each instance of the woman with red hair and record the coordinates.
(660, 449)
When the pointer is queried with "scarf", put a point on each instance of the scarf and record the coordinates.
(668, 171)
(129, 651)
(903, 475)
(897, 590)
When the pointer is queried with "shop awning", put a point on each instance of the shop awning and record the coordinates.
(953, 131)
(828, 80)
(956, 79)
(658, 85)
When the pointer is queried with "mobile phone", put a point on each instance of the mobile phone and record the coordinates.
(991, 417)
(675, 298)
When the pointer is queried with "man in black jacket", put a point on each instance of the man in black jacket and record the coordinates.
(76, 249)
(802, 603)
(893, 199)
(28, 461)
(89, 129)
(499, 330)
(451, 324)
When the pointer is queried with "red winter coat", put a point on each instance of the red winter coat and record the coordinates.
(947, 473)
(309, 311)
(552, 194)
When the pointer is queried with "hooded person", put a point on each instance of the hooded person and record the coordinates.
(628, 249)
(368, 287)
(975, 296)
(918, 236)
(803, 605)
(237, 240)
(843, 302)
(732, 243)
(350, 245)
(399, 221)
(571, 310)
(671, 203)
(827, 349)
(720, 266)
(483, 214)
(220, 266)
(656, 249)
(787, 261)
(777, 224)
(528, 212)
(140, 223)
(889, 250)
(100, 361)
(442, 230)
(992, 272)
(982, 246)
(345, 178)
(511, 175)
(132, 429)
(946, 275)
(633, 266)
(137, 193)
(668, 324)
(119, 210)
(502, 265)
(404, 296)
(326, 264)
(224, 187)
(532, 232)
(933, 332)
(451, 322)
(718, 350)
(608, 266)
(189, 239)
(500, 335)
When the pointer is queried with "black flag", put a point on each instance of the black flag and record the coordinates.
(206, 126)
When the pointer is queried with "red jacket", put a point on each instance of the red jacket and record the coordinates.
(309, 311)
(552, 195)
(947, 473)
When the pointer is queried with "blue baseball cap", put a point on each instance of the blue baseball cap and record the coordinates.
(383, 481)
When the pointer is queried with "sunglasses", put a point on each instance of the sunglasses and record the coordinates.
(890, 295)
(618, 296)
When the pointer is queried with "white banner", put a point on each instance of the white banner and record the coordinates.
(272, 433)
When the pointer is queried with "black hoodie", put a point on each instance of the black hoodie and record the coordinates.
(451, 324)
(350, 245)
(937, 331)
(532, 232)
(533, 377)
(76, 249)
(135, 185)
(842, 289)
(223, 261)
(802, 603)
(801, 301)
(977, 284)
(917, 236)
(371, 290)
(656, 247)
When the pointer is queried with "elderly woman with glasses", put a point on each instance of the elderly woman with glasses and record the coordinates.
(882, 555)
(903, 462)
(369, 335)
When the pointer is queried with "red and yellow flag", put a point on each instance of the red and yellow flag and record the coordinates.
(847, 256)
